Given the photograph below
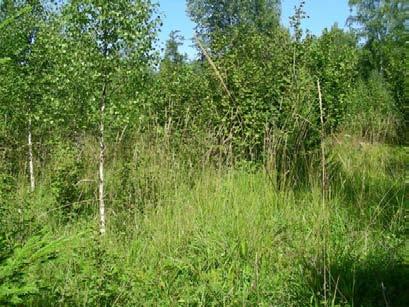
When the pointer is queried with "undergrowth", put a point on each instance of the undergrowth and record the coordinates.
(195, 233)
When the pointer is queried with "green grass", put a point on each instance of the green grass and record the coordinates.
(205, 236)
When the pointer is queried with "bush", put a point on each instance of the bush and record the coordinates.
(333, 59)
(372, 112)
(65, 175)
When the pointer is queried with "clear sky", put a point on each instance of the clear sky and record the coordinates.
(322, 13)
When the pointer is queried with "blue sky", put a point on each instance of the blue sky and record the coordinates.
(322, 13)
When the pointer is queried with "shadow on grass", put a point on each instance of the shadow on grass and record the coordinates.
(376, 200)
(379, 279)
(373, 283)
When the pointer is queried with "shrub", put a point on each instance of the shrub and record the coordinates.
(372, 112)
(65, 173)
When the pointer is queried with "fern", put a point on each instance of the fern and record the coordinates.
(15, 286)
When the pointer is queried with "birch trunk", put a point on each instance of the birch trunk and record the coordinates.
(30, 157)
(323, 162)
(101, 181)
(324, 190)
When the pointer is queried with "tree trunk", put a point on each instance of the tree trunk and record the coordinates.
(30, 157)
(323, 162)
(101, 182)
(324, 190)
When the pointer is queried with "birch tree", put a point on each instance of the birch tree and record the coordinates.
(22, 22)
(113, 41)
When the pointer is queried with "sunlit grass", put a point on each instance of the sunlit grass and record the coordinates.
(210, 236)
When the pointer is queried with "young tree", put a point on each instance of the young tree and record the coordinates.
(382, 24)
(377, 21)
(172, 53)
(213, 16)
(25, 68)
(180, 88)
(333, 59)
(113, 40)
(247, 51)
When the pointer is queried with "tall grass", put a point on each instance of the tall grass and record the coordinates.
(185, 230)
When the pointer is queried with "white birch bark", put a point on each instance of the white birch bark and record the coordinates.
(101, 181)
(30, 158)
